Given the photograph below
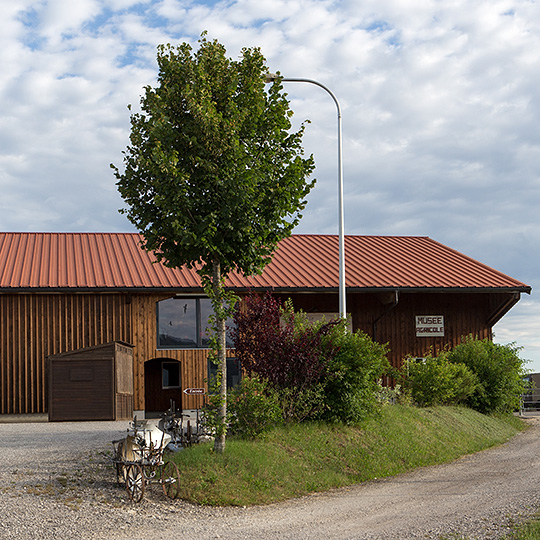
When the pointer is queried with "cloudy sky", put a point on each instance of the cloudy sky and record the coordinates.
(440, 105)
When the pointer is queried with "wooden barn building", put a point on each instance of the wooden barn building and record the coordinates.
(71, 303)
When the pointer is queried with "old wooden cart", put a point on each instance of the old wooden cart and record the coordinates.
(139, 457)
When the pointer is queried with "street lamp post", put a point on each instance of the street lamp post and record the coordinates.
(270, 77)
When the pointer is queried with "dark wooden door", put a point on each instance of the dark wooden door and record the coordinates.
(157, 397)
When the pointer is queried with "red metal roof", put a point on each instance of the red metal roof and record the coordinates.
(85, 261)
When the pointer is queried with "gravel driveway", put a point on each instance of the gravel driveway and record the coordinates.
(56, 481)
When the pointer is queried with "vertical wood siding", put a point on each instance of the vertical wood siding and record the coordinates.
(193, 361)
(464, 314)
(34, 326)
(377, 316)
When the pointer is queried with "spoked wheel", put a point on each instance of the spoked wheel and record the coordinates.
(135, 481)
(170, 480)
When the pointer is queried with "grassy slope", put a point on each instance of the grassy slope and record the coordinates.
(527, 531)
(296, 460)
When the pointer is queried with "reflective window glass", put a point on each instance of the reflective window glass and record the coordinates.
(170, 374)
(177, 323)
(183, 323)
(206, 312)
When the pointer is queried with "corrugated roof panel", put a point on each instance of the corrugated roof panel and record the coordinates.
(131, 267)
(117, 261)
(41, 272)
(18, 258)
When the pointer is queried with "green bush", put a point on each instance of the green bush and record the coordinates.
(499, 370)
(391, 395)
(253, 407)
(436, 381)
(318, 369)
(301, 404)
(355, 365)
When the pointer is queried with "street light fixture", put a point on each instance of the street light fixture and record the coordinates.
(271, 77)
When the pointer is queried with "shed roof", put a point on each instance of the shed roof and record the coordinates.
(105, 261)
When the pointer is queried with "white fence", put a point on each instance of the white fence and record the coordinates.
(530, 401)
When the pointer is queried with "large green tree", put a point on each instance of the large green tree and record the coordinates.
(214, 176)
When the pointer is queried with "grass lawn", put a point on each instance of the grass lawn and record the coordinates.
(528, 531)
(295, 460)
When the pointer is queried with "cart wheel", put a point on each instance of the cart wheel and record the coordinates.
(170, 479)
(135, 481)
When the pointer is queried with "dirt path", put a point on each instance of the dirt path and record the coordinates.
(44, 493)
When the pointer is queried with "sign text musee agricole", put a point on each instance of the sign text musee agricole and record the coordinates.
(429, 325)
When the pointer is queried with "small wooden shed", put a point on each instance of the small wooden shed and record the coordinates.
(94, 383)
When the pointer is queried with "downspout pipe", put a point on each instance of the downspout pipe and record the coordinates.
(385, 312)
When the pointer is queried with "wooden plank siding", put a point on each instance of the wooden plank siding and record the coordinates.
(94, 383)
(394, 323)
(35, 326)
(193, 361)
(90, 396)
(464, 314)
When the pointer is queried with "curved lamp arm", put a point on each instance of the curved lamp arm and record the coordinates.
(271, 77)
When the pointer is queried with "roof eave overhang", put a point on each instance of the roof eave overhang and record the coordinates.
(503, 308)
(278, 290)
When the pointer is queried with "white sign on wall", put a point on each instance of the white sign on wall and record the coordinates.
(429, 325)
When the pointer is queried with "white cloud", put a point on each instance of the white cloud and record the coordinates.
(53, 19)
(522, 326)
(440, 105)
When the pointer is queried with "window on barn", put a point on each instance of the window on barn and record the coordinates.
(234, 372)
(183, 323)
(170, 375)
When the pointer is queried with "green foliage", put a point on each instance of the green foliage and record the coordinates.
(253, 408)
(299, 404)
(213, 176)
(479, 373)
(436, 381)
(499, 370)
(391, 395)
(319, 369)
(355, 365)
(213, 171)
(282, 347)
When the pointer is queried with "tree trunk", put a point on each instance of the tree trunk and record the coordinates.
(219, 442)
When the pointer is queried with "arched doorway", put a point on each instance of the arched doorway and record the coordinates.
(162, 384)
